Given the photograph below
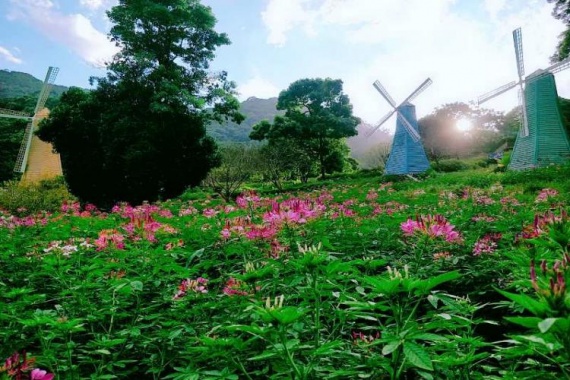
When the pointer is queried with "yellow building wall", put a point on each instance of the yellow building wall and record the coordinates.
(43, 163)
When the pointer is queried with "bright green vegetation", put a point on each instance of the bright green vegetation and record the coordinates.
(461, 276)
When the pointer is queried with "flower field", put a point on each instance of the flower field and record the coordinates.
(458, 276)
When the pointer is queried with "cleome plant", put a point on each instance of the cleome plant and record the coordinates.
(459, 276)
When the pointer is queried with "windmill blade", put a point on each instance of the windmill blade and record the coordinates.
(24, 151)
(382, 121)
(378, 86)
(14, 114)
(524, 120)
(418, 90)
(44, 93)
(411, 130)
(558, 67)
(517, 39)
(496, 92)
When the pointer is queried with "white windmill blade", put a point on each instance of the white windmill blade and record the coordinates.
(24, 151)
(413, 133)
(14, 114)
(44, 93)
(496, 92)
(524, 119)
(517, 39)
(382, 121)
(378, 86)
(418, 90)
(559, 66)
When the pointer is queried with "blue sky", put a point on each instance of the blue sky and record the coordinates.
(465, 46)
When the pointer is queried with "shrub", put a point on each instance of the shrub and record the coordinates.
(448, 166)
(46, 195)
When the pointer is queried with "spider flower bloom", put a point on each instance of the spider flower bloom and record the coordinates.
(232, 288)
(40, 374)
(433, 226)
(188, 285)
(487, 244)
(409, 227)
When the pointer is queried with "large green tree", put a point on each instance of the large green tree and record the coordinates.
(317, 116)
(140, 134)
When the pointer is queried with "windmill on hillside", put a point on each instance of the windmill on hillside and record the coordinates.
(542, 139)
(36, 160)
(407, 155)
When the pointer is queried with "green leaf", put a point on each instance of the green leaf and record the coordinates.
(546, 324)
(264, 355)
(429, 337)
(417, 356)
(328, 348)
(103, 351)
(425, 375)
(137, 285)
(425, 286)
(391, 347)
(529, 322)
(529, 303)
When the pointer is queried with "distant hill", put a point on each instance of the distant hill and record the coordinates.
(255, 110)
(14, 84)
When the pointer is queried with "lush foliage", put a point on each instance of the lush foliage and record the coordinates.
(561, 12)
(31, 198)
(317, 115)
(357, 279)
(140, 135)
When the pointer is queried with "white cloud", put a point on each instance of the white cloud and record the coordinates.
(258, 87)
(95, 5)
(91, 4)
(72, 30)
(8, 56)
(466, 51)
(494, 7)
(281, 16)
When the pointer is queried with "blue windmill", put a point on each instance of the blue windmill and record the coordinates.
(407, 155)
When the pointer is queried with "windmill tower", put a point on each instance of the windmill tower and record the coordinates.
(407, 155)
(36, 160)
(542, 139)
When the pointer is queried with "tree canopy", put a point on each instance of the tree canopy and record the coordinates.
(140, 134)
(317, 115)
(441, 137)
(561, 12)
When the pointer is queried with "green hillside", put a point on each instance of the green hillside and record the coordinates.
(14, 84)
(255, 110)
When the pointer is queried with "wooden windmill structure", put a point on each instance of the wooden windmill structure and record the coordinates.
(407, 155)
(542, 139)
(36, 160)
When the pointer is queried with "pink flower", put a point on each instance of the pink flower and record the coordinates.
(441, 255)
(545, 194)
(232, 288)
(372, 195)
(226, 233)
(409, 227)
(487, 244)
(39, 374)
(198, 285)
(209, 213)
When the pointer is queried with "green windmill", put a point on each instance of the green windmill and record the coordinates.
(542, 139)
